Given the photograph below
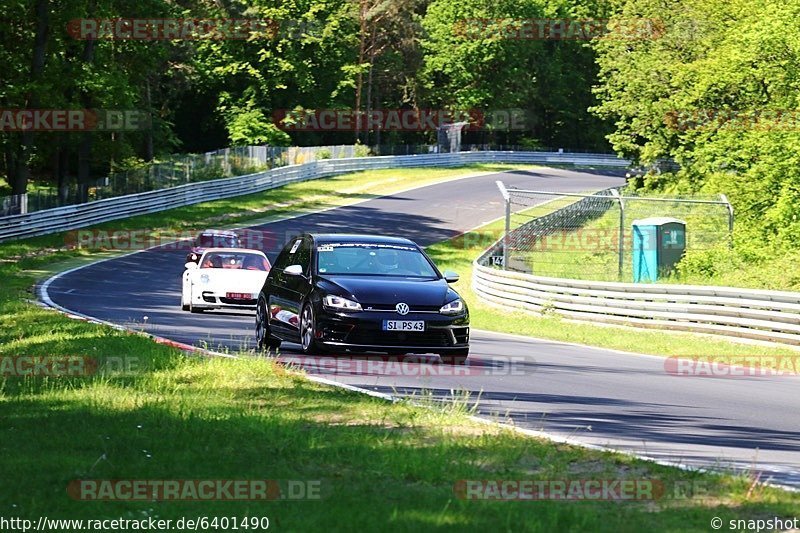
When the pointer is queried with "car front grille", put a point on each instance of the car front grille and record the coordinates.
(231, 301)
(431, 337)
(384, 308)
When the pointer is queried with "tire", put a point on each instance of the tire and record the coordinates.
(456, 357)
(185, 304)
(308, 328)
(264, 339)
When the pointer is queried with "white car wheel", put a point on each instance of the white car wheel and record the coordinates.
(186, 298)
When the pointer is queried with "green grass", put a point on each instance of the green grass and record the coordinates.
(381, 466)
(770, 268)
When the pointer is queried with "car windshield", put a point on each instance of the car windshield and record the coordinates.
(209, 240)
(373, 260)
(235, 261)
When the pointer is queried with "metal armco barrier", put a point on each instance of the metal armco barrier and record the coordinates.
(77, 216)
(754, 314)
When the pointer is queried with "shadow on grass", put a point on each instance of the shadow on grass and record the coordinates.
(380, 465)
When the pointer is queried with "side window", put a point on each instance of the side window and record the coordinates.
(304, 255)
(287, 255)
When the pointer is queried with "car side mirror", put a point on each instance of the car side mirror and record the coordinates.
(293, 270)
(450, 276)
(190, 265)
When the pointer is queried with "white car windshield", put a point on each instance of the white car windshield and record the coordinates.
(235, 261)
(373, 260)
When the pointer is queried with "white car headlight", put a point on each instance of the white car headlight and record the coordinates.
(452, 308)
(340, 304)
(204, 278)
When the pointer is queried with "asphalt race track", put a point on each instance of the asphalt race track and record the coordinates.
(596, 396)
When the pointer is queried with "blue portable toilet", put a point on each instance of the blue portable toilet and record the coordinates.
(658, 245)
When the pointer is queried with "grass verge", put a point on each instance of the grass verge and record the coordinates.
(379, 465)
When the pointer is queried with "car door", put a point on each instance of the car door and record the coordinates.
(286, 292)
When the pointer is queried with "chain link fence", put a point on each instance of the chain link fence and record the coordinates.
(173, 171)
(589, 235)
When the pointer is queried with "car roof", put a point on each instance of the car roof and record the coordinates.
(354, 237)
(233, 250)
(225, 232)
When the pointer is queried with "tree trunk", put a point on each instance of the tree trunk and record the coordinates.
(62, 170)
(19, 182)
(10, 157)
(362, 48)
(149, 150)
(369, 80)
(85, 146)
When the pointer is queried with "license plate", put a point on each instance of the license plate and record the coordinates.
(403, 325)
(240, 295)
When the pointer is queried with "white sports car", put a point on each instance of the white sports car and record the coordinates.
(224, 278)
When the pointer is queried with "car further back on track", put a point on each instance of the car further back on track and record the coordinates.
(224, 278)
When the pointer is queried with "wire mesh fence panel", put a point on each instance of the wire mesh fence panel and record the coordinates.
(178, 170)
(590, 235)
(548, 230)
(708, 221)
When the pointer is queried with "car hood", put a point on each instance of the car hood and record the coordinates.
(375, 290)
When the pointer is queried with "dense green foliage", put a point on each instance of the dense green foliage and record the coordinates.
(711, 84)
(203, 94)
(718, 92)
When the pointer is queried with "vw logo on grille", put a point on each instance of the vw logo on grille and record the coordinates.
(402, 308)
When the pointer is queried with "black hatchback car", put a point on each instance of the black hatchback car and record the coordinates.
(331, 292)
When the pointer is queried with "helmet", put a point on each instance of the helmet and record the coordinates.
(388, 258)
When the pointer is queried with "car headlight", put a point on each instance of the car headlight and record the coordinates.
(340, 304)
(452, 308)
(204, 278)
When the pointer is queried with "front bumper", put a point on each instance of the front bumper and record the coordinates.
(363, 331)
(219, 300)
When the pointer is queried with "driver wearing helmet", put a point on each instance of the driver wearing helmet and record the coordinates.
(388, 260)
(212, 261)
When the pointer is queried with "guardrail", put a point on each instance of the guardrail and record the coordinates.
(77, 216)
(754, 314)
